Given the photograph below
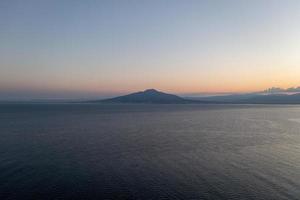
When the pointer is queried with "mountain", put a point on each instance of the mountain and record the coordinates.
(274, 99)
(153, 96)
(149, 96)
(224, 98)
(254, 98)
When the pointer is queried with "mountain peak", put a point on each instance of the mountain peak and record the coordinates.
(151, 90)
(147, 96)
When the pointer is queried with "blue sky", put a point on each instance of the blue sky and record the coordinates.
(72, 49)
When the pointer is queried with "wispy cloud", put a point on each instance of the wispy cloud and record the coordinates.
(273, 90)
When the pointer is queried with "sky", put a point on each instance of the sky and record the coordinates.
(85, 49)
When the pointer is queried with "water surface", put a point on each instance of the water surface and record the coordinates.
(89, 151)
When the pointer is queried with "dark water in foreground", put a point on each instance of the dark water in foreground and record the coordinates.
(85, 151)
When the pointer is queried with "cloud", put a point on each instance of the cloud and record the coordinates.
(281, 90)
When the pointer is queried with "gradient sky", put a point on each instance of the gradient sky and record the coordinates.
(71, 49)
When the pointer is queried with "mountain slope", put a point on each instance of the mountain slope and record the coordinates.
(153, 96)
(254, 98)
(225, 98)
(149, 96)
(273, 99)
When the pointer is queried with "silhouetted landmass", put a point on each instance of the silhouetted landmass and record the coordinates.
(254, 98)
(150, 96)
(274, 99)
(224, 98)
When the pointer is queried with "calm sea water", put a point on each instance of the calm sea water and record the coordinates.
(86, 151)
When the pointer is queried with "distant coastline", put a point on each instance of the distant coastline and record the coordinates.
(157, 97)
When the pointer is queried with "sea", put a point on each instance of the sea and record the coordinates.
(87, 151)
